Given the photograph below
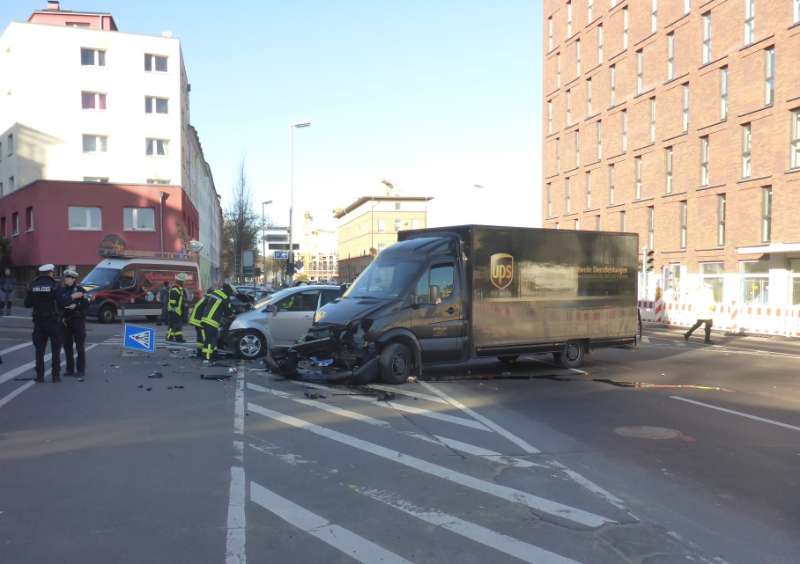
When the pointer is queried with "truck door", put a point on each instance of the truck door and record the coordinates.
(440, 327)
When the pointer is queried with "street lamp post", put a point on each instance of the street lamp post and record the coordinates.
(264, 240)
(292, 127)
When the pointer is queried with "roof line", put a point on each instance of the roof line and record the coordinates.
(364, 199)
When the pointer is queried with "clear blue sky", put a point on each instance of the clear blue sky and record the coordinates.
(434, 95)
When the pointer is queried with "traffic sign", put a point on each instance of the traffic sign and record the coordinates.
(281, 255)
(139, 338)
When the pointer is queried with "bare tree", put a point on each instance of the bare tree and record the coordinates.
(241, 225)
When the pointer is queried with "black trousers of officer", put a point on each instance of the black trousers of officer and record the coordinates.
(75, 334)
(44, 330)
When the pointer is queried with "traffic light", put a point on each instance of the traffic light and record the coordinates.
(649, 261)
(289, 268)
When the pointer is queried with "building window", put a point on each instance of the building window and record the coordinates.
(637, 176)
(577, 223)
(588, 190)
(558, 70)
(157, 147)
(569, 106)
(93, 57)
(684, 213)
(749, 21)
(14, 224)
(578, 57)
(550, 33)
(158, 181)
(95, 143)
(704, 150)
(711, 274)
(687, 6)
(577, 147)
(95, 179)
(622, 220)
(668, 168)
(706, 38)
(589, 10)
(381, 226)
(567, 196)
(93, 101)
(154, 105)
(3, 226)
(651, 227)
(653, 16)
(558, 155)
(588, 96)
(85, 219)
(794, 265)
(550, 116)
(569, 18)
(599, 137)
(723, 93)
(29, 219)
(624, 119)
(685, 108)
(671, 55)
(138, 219)
(766, 214)
(639, 71)
(613, 71)
(2, 192)
(10, 144)
(746, 144)
(155, 63)
(769, 76)
(398, 225)
(796, 11)
(626, 24)
(611, 187)
(549, 194)
(722, 209)
(795, 144)
(597, 223)
(755, 282)
(11, 184)
(652, 120)
(599, 44)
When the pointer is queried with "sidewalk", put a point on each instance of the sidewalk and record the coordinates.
(777, 343)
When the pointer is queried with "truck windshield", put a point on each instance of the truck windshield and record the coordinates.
(101, 277)
(384, 279)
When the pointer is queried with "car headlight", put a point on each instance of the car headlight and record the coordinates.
(319, 316)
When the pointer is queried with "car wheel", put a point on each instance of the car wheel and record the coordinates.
(572, 355)
(108, 314)
(395, 364)
(250, 344)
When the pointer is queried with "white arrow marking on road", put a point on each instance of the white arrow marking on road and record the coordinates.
(535, 502)
(739, 413)
(474, 532)
(355, 546)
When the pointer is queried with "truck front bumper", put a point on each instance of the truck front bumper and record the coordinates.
(300, 361)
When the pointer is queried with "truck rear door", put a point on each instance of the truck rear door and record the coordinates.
(439, 327)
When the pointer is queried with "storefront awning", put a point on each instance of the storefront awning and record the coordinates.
(771, 248)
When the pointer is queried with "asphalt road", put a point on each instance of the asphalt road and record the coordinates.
(674, 452)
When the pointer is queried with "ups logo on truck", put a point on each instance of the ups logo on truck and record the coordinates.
(501, 270)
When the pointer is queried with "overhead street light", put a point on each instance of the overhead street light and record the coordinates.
(292, 127)
(264, 240)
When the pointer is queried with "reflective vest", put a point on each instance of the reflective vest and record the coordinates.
(195, 317)
(219, 305)
(176, 299)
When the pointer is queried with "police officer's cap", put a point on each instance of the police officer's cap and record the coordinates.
(71, 273)
(181, 277)
(47, 268)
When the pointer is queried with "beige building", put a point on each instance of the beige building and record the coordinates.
(318, 251)
(370, 224)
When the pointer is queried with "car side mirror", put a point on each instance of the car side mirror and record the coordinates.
(434, 297)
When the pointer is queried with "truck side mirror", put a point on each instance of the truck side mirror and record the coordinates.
(434, 295)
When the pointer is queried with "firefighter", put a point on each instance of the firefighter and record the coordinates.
(219, 307)
(74, 323)
(196, 320)
(45, 299)
(175, 309)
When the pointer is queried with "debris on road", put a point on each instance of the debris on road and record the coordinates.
(140, 386)
(156, 375)
(148, 389)
(23, 378)
(385, 396)
(411, 380)
(314, 395)
(215, 376)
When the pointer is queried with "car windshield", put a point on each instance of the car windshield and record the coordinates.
(101, 277)
(384, 279)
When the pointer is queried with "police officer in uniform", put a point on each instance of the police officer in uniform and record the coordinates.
(175, 306)
(196, 321)
(218, 308)
(45, 299)
(74, 322)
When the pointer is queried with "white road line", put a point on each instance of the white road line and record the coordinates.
(588, 485)
(15, 393)
(401, 392)
(237, 524)
(355, 546)
(472, 531)
(739, 413)
(536, 503)
(477, 451)
(238, 403)
(16, 348)
(14, 372)
(487, 422)
(262, 389)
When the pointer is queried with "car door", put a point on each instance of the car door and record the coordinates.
(439, 327)
(293, 316)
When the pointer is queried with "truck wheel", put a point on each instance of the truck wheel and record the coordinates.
(395, 364)
(107, 314)
(508, 359)
(572, 355)
(249, 344)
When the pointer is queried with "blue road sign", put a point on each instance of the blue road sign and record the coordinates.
(281, 255)
(139, 338)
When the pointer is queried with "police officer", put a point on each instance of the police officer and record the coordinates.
(74, 322)
(47, 302)
(175, 306)
(196, 321)
(218, 308)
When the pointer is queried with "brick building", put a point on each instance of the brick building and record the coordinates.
(680, 120)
